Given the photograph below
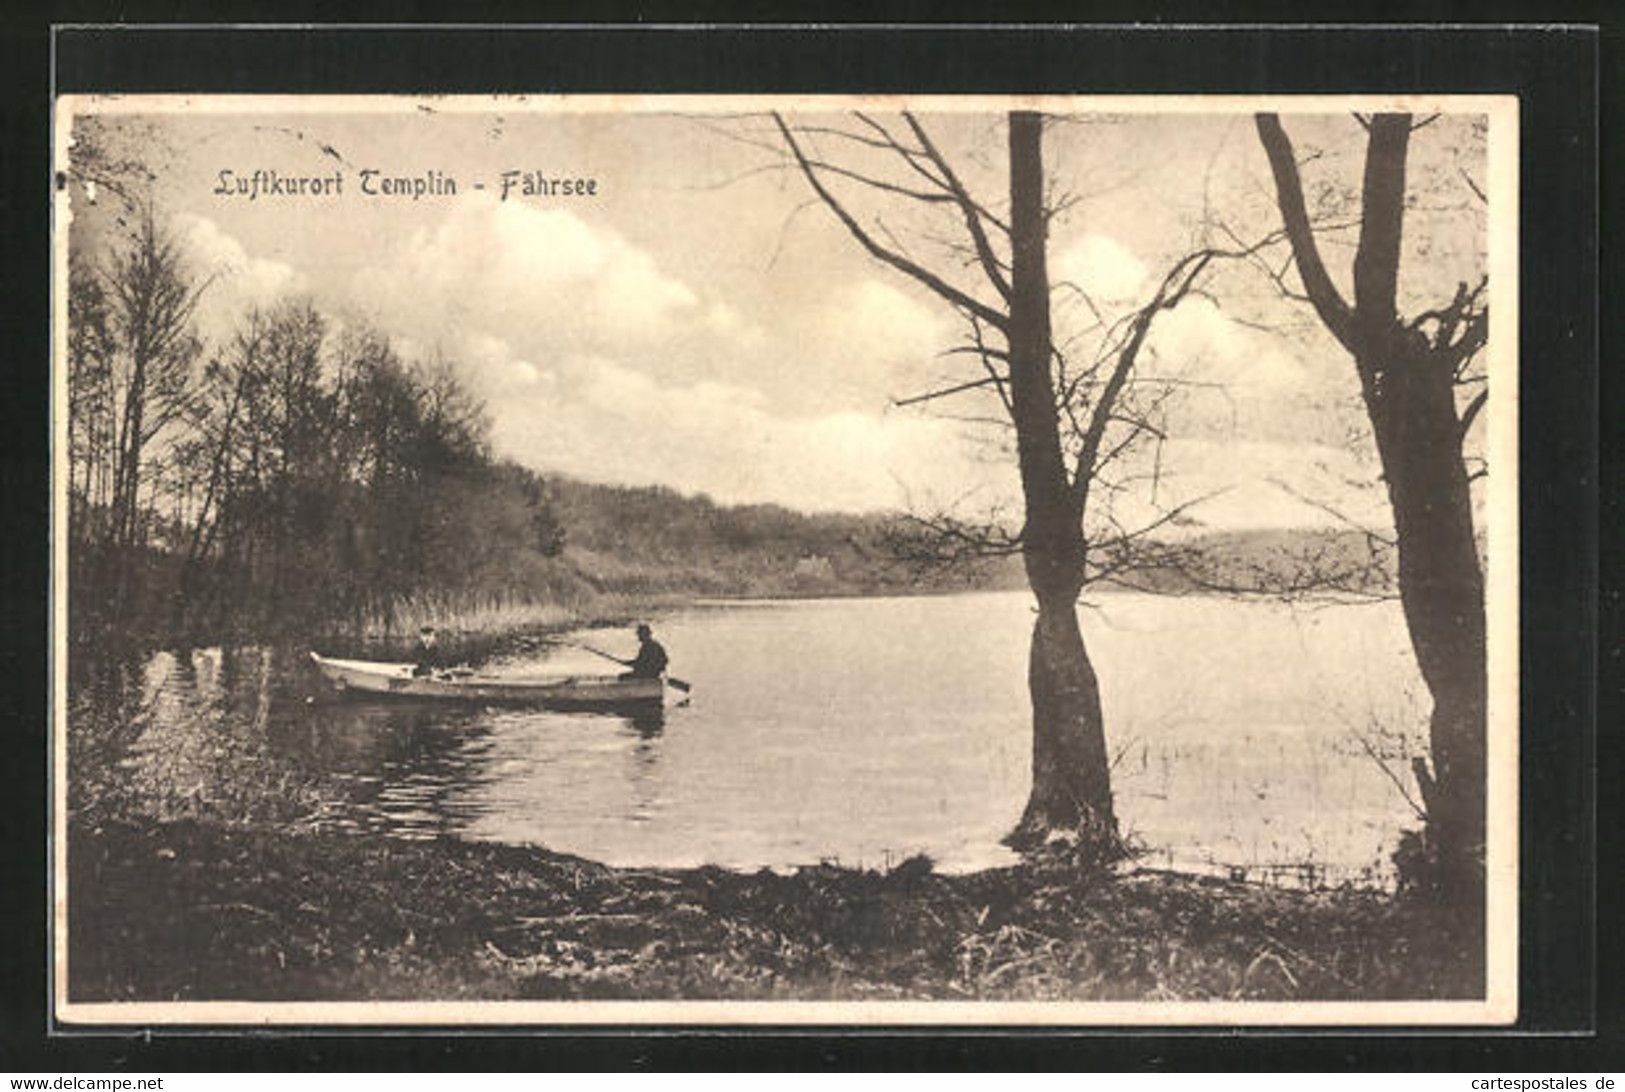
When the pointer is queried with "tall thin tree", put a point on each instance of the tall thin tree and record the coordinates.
(152, 301)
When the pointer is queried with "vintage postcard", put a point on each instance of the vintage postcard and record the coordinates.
(785, 560)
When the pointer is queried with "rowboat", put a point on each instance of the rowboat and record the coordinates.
(555, 691)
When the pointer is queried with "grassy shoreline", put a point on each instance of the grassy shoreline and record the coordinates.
(189, 910)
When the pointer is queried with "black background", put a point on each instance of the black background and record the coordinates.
(1555, 73)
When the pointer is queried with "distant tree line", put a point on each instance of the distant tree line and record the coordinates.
(655, 539)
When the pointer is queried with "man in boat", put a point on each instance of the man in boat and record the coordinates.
(428, 653)
(651, 658)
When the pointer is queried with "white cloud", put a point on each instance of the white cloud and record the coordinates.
(609, 422)
(1103, 267)
(726, 322)
(887, 323)
(525, 372)
(1201, 342)
(238, 283)
(543, 278)
(860, 344)
(617, 419)
(595, 363)
(493, 361)
(1196, 340)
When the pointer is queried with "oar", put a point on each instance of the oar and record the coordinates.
(680, 684)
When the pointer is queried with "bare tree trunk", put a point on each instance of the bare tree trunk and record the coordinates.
(1410, 398)
(127, 483)
(1071, 785)
(1441, 588)
(1408, 387)
(1071, 789)
(207, 524)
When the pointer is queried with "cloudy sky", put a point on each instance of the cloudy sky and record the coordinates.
(697, 323)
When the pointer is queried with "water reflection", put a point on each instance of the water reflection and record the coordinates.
(425, 769)
(398, 764)
(643, 761)
(205, 728)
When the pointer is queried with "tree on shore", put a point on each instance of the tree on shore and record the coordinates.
(330, 473)
(1074, 422)
(302, 475)
(91, 419)
(132, 351)
(1410, 372)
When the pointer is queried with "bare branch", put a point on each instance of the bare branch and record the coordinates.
(1467, 178)
(914, 157)
(976, 350)
(1347, 521)
(891, 257)
(945, 541)
(1461, 329)
(924, 196)
(1088, 301)
(1327, 573)
(1470, 413)
(988, 354)
(1383, 766)
(784, 229)
(1323, 294)
(1175, 285)
(968, 208)
(957, 388)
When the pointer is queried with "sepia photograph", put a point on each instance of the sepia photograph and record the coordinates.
(770, 560)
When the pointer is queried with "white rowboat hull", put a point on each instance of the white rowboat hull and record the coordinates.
(568, 692)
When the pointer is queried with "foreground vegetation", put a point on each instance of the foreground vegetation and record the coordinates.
(196, 911)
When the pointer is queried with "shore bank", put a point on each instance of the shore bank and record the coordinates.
(194, 911)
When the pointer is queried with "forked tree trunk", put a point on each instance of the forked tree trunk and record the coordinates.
(1408, 386)
(1409, 391)
(1071, 791)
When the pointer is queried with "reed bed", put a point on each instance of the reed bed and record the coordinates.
(472, 614)
(473, 627)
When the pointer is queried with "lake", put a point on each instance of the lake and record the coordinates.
(1250, 739)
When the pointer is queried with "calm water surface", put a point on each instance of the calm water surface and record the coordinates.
(861, 731)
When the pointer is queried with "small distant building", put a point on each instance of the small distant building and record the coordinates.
(814, 567)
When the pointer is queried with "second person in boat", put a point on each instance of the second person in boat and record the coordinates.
(428, 654)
